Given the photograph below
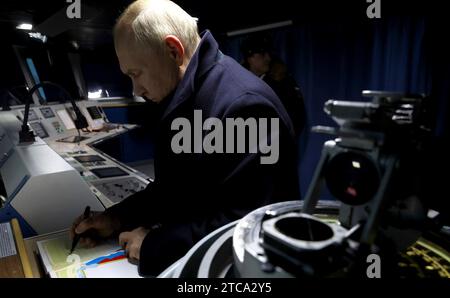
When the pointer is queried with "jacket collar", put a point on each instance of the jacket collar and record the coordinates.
(205, 57)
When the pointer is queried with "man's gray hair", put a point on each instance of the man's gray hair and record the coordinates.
(152, 20)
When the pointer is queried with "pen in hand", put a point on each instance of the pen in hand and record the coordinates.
(77, 237)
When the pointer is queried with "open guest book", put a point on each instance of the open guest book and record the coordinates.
(107, 260)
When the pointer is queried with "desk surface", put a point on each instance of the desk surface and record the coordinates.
(14, 261)
(11, 266)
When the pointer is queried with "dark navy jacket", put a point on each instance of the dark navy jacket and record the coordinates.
(194, 194)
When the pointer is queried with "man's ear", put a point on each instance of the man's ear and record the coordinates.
(176, 49)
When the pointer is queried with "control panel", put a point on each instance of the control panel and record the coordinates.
(58, 119)
(61, 166)
(110, 182)
(117, 189)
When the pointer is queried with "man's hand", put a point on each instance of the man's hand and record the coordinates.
(132, 242)
(99, 225)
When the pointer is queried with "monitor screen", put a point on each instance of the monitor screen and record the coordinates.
(88, 158)
(66, 119)
(50, 64)
(32, 116)
(108, 172)
(94, 112)
(13, 90)
(39, 130)
(103, 78)
(47, 112)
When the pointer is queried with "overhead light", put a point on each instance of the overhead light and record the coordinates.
(260, 28)
(38, 35)
(25, 26)
(356, 164)
(75, 44)
(95, 94)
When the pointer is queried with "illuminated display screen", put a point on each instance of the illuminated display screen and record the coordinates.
(47, 112)
(31, 115)
(88, 158)
(66, 119)
(108, 172)
(39, 130)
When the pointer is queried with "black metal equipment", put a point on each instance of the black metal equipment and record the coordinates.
(368, 169)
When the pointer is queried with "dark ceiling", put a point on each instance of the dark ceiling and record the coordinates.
(97, 17)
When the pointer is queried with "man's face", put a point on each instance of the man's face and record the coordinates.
(278, 72)
(153, 76)
(259, 63)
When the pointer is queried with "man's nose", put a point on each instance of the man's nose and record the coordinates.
(137, 89)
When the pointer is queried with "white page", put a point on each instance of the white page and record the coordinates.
(57, 262)
(116, 269)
